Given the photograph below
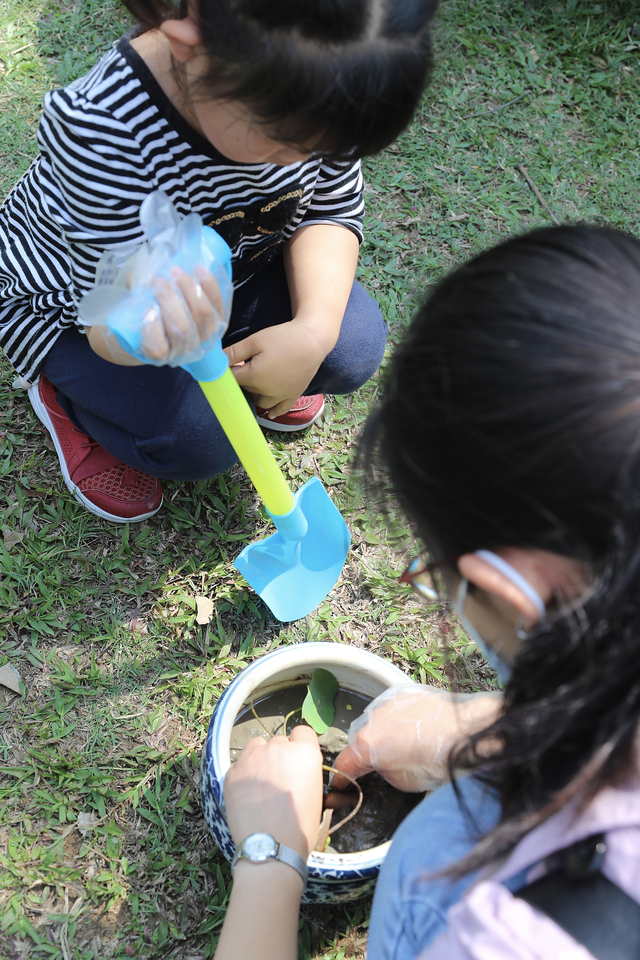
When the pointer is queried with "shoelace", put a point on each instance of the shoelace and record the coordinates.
(129, 478)
(89, 444)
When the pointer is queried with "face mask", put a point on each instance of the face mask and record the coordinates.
(501, 667)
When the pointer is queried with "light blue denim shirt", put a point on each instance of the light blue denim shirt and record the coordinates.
(409, 911)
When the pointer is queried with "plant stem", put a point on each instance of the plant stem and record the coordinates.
(253, 711)
(346, 776)
(286, 720)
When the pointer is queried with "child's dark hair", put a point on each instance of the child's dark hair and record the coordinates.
(512, 417)
(343, 75)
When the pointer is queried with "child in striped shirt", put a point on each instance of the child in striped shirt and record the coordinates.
(253, 114)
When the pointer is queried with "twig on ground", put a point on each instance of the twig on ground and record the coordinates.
(20, 49)
(525, 173)
(129, 716)
(503, 106)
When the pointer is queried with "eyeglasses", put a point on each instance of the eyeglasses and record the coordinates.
(418, 576)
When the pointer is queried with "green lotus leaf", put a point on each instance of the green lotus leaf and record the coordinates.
(318, 709)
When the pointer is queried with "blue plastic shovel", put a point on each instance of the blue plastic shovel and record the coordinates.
(295, 568)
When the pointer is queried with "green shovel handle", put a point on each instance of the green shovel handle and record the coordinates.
(236, 418)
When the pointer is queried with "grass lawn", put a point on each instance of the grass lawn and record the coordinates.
(531, 117)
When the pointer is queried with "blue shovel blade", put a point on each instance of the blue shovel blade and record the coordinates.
(293, 577)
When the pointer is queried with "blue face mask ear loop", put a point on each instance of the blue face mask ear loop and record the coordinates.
(516, 578)
(501, 667)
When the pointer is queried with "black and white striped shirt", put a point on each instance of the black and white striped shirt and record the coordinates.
(106, 142)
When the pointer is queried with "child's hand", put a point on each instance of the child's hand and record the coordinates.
(277, 364)
(178, 329)
(182, 325)
(276, 787)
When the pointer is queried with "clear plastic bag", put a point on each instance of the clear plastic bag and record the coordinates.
(123, 301)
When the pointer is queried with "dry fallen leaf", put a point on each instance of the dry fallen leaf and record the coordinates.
(10, 678)
(12, 537)
(86, 822)
(204, 610)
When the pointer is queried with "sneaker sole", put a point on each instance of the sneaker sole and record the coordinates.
(43, 416)
(289, 427)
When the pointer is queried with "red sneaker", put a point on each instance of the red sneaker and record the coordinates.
(303, 413)
(106, 486)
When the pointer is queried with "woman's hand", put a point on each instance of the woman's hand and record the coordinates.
(275, 787)
(407, 733)
(277, 364)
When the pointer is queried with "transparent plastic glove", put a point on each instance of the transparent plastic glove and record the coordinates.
(168, 300)
(407, 733)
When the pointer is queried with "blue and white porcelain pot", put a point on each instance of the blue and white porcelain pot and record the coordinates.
(332, 876)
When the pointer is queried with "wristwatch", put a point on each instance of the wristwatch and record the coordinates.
(260, 847)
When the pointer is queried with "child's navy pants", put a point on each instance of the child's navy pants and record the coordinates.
(157, 420)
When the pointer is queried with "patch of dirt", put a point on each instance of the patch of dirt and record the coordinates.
(98, 930)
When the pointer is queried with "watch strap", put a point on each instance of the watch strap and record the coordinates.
(283, 853)
(293, 859)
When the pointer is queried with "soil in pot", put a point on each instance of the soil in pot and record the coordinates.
(383, 808)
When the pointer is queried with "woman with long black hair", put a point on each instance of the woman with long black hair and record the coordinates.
(510, 434)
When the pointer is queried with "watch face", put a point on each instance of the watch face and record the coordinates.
(259, 846)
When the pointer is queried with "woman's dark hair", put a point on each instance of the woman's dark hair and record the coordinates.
(512, 417)
(344, 75)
